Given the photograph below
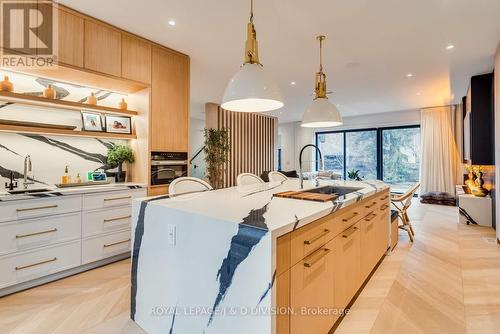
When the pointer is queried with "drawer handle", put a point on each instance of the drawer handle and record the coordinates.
(351, 217)
(371, 206)
(117, 198)
(38, 208)
(383, 207)
(370, 217)
(20, 236)
(115, 219)
(36, 264)
(384, 198)
(316, 238)
(352, 230)
(323, 251)
(116, 243)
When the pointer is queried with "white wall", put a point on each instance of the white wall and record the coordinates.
(497, 138)
(292, 137)
(196, 127)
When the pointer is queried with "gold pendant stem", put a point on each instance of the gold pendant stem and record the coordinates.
(320, 87)
(251, 45)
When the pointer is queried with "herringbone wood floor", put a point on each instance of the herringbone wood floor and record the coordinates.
(447, 281)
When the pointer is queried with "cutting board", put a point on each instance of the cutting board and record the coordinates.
(306, 196)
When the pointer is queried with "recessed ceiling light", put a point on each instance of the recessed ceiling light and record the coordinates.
(292, 83)
(450, 47)
(171, 22)
(409, 75)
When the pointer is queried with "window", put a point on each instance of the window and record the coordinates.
(389, 154)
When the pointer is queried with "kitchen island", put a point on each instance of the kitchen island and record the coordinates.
(241, 260)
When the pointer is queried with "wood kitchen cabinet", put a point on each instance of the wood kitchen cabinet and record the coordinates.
(71, 37)
(348, 266)
(170, 101)
(103, 48)
(136, 59)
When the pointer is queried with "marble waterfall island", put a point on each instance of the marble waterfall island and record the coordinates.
(207, 262)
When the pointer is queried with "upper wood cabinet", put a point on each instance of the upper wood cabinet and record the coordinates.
(170, 101)
(136, 59)
(103, 48)
(70, 38)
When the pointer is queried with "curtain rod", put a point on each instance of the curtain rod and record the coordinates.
(446, 105)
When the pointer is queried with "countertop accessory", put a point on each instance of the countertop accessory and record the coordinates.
(307, 196)
(91, 121)
(37, 125)
(478, 190)
(117, 155)
(321, 113)
(470, 182)
(123, 105)
(65, 179)
(28, 167)
(83, 184)
(118, 124)
(49, 92)
(12, 184)
(251, 89)
(321, 166)
(6, 85)
(92, 100)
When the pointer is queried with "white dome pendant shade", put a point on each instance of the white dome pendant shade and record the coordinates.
(321, 113)
(251, 89)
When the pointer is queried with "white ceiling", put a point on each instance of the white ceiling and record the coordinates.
(370, 47)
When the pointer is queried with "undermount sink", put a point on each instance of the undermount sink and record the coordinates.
(28, 191)
(331, 190)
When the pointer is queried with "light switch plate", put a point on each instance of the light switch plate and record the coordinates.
(172, 234)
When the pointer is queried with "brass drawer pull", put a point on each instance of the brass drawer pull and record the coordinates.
(383, 207)
(370, 217)
(384, 198)
(19, 236)
(115, 219)
(38, 208)
(323, 251)
(117, 198)
(36, 264)
(352, 230)
(371, 206)
(316, 238)
(351, 217)
(116, 243)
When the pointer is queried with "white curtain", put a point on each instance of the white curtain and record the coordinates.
(441, 149)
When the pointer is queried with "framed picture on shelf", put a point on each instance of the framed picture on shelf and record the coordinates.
(91, 121)
(118, 124)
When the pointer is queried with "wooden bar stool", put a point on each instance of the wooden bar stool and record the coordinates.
(401, 203)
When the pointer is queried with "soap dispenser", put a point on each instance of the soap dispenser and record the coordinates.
(65, 179)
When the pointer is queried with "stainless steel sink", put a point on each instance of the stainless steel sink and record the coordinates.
(28, 191)
(330, 190)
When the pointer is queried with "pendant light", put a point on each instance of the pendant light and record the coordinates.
(251, 89)
(321, 113)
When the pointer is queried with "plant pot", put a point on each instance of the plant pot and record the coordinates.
(121, 177)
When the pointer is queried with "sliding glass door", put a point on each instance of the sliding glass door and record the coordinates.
(361, 153)
(332, 146)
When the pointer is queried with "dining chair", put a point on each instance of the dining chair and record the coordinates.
(277, 177)
(401, 203)
(248, 178)
(183, 185)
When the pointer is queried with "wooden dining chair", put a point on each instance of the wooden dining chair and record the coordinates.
(401, 203)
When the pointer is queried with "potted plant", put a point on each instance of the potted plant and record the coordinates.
(354, 175)
(117, 155)
(216, 155)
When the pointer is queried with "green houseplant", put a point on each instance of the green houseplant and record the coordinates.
(216, 150)
(354, 175)
(117, 155)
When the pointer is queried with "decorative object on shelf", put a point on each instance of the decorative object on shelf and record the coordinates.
(83, 184)
(354, 175)
(118, 124)
(92, 121)
(117, 155)
(479, 191)
(251, 89)
(470, 182)
(66, 178)
(78, 178)
(216, 150)
(123, 104)
(49, 92)
(37, 125)
(92, 100)
(6, 85)
(321, 113)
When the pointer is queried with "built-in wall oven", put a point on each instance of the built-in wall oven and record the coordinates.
(167, 166)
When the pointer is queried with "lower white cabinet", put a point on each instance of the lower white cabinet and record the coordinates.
(104, 246)
(25, 266)
(40, 207)
(106, 220)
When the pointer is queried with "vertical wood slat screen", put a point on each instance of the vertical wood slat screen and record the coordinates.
(253, 140)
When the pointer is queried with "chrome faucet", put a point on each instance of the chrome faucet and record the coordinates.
(301, 176)
(28, 167)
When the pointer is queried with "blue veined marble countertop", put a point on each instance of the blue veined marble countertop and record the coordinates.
(216, 274)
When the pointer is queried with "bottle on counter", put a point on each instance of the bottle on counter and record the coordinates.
(66, 178)
(78, 178)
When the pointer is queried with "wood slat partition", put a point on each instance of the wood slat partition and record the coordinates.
(253, 140)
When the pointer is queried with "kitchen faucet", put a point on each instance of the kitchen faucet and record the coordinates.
(28, 167)
(301, 177)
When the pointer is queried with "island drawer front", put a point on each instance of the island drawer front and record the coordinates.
(106, 220)
(26, 266)
(22, 235)
(40, 207)
(348, 266)
(309, 238)
(111, 199)
(101, 247)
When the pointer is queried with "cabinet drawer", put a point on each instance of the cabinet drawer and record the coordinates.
(111, 199)
(18, 268)
(101, 247)
(309, 238)
(104, 221)
(26, 234)
(22, 209)
(348, 265)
